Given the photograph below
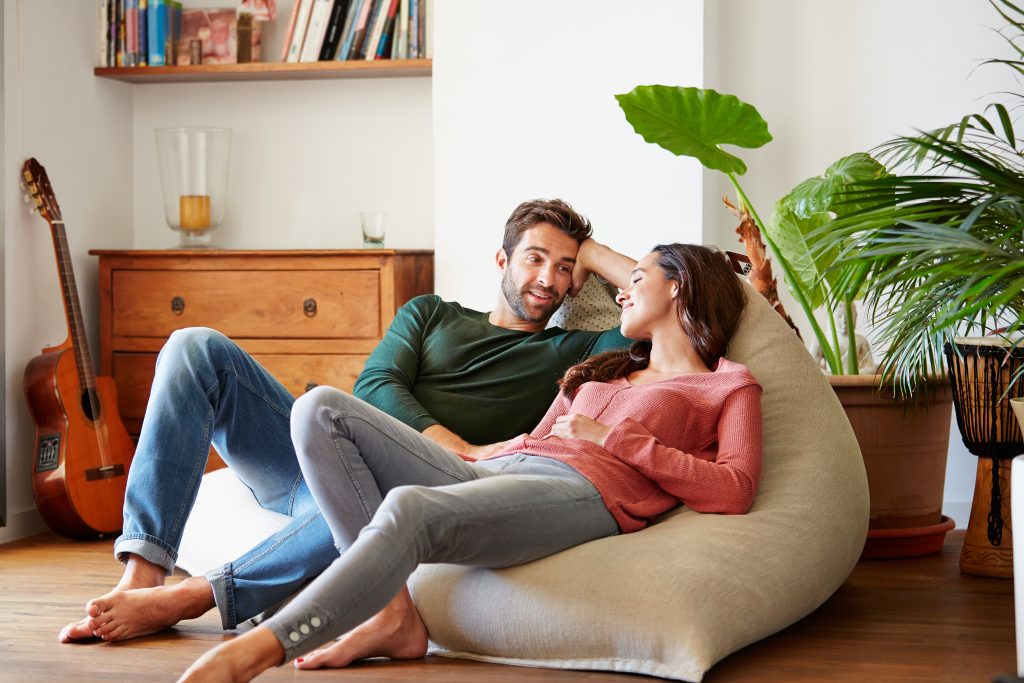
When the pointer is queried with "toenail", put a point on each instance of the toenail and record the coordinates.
(315, 621)
(294, 636)
(300, 659)
(304, 628)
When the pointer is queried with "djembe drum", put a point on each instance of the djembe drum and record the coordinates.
(980, 372)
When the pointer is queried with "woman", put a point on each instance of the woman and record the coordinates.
(631, 435)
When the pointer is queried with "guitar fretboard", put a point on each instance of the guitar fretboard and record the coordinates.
(74, 310)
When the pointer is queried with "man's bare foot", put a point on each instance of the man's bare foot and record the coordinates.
(237, 661)
(396, 632)
(138, 573)
(120, 615)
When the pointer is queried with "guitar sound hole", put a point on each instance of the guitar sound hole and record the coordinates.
(91, 404)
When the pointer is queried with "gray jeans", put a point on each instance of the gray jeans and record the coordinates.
(394, 499)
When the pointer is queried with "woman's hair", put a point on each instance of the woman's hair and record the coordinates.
(708, 305)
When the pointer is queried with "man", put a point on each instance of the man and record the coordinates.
(465, 379)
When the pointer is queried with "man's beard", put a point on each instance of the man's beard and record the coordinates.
(516, 299)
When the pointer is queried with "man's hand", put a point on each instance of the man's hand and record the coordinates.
(481, 452)
(580, 271)
(576, 426)
(456, 444)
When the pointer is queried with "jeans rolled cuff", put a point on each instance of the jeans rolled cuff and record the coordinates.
(147, 547)
(222, 582)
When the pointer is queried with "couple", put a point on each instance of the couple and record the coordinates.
(631, 435)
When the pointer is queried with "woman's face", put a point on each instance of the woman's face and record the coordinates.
(649, 301)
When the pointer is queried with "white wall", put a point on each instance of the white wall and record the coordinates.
(79, 128)
(306, 156)
(524, 108)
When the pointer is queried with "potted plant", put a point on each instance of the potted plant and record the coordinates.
(940, 252)
(905, 450)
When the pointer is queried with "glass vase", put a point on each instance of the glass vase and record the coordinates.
(194, 178)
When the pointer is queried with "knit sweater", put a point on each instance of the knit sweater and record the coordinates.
(693, 439)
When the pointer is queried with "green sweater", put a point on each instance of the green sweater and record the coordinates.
(440, 363)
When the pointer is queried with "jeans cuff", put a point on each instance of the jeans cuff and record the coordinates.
(299, 635)
(222, 582)
(149, 548)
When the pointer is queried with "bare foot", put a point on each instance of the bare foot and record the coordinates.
(396, 632)
(138, 573)
(237, 661)
(120, 615)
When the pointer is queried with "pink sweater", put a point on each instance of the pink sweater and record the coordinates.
(693, 439)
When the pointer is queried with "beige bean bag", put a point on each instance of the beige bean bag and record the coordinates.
(670, 600)
(677, 597)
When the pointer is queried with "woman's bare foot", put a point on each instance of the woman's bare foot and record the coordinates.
(138, 573)
(238, 660)
(120, 615)
(396, 632)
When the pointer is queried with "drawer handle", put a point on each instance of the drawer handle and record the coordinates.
(177, 305)
(309, 307)
(311, 385)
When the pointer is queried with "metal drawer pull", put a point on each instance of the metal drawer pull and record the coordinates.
(311, 385)
(309, 307)
(177, 305)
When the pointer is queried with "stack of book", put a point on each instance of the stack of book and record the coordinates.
(138, 32)
(324, 30)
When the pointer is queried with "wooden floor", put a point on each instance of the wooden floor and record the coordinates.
(909, 620)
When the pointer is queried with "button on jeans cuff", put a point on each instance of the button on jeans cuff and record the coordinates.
(295, 635)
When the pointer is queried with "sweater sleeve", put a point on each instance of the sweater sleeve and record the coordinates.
(390, 372)
(725, 485)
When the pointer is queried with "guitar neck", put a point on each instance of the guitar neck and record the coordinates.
(72, 308)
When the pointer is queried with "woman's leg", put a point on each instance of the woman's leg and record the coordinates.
(534, 509)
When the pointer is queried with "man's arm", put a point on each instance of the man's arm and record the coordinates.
(597, 258)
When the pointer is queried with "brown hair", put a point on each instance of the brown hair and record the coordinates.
(708, 305)
(553, 211)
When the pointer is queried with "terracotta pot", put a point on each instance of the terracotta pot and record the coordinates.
(904, 444)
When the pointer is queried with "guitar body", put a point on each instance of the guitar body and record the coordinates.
(82, 449)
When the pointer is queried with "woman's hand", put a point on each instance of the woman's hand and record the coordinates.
(576, 426)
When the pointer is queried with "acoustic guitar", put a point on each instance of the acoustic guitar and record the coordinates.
(82, 450)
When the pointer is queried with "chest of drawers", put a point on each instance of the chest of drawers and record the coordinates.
(310, 317)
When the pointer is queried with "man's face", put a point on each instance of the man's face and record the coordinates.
(537, 275)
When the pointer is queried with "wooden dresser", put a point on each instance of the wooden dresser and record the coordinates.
(310, 317)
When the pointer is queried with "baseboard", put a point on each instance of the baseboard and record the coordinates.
(22, 524)
(957, 510)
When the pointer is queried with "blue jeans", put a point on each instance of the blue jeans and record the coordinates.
(208, 389)
(395, 499)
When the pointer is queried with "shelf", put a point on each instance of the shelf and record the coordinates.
(269, 71)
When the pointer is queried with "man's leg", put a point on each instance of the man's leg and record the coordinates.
(206, 388)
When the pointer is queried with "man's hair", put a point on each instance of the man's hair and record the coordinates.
(553, 211)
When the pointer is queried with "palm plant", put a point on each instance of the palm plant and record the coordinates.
(939, 249)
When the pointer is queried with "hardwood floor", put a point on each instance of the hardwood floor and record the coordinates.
(910, 620)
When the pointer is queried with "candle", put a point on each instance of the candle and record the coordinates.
(194, 210)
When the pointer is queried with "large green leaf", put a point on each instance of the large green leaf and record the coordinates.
(827, 192)
(694, 122)
(794, 238)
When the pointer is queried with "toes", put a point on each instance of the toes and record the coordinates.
(98, 622)
(77, 630)
(96, 607)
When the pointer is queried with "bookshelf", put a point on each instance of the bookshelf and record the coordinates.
(270, 71)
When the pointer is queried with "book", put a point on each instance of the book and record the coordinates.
(103, 29)
(299, 34)
(428, 23)
(354, 6)
(131, 28)
(332, 39)
(157, 32)
(291, 30)
(374, 30)
(142, 55)
(315, 31)
(386, 36)
(421, 28)
(402, 42)
(360, 34)
(414, 10)
(174, 10)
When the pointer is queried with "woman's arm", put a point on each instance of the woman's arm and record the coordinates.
(726, 485)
